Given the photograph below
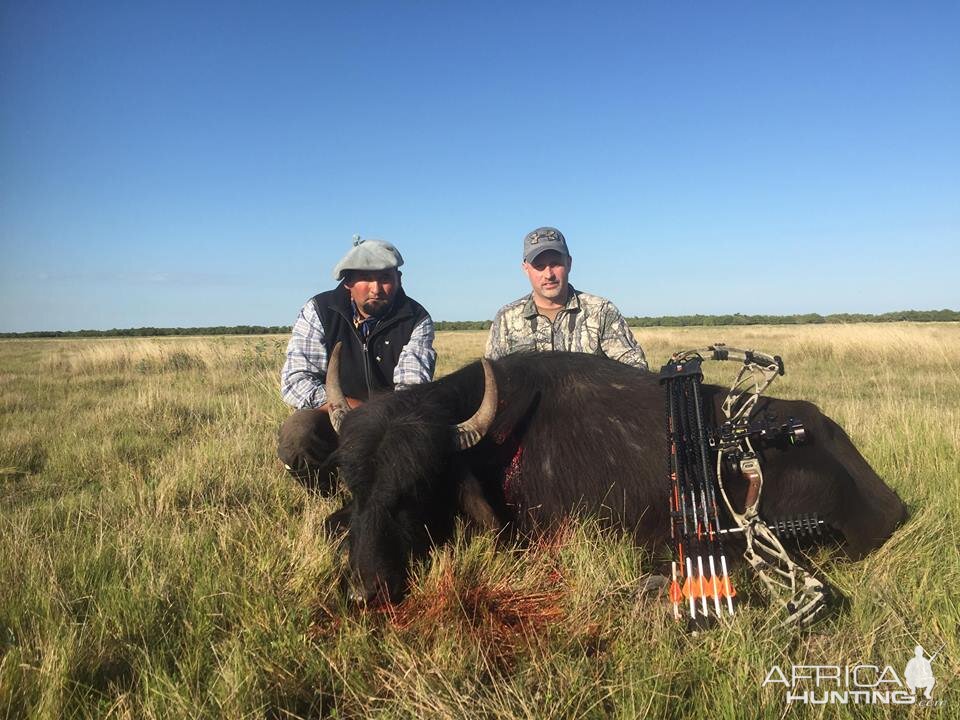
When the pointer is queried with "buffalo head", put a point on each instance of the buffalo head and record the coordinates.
(398, 456)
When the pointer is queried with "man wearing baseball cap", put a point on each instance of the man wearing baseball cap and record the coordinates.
(555, 316)
(387, 343)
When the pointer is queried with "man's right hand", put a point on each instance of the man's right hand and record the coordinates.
(352, 402)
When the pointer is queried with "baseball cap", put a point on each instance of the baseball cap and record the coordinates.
(542, 239)
(368, 255)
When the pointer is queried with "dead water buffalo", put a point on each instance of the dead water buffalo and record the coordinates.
(562, 433)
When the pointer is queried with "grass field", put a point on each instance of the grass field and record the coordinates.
(156, 562)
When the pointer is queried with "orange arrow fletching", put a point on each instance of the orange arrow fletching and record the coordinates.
(726, 588)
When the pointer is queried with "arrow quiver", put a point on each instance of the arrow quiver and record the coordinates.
(697, 460)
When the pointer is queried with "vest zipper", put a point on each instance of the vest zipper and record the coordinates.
(366, 357)
(366, 368)
(366, 361)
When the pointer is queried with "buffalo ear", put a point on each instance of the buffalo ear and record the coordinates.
(473, 503)
(338, 522)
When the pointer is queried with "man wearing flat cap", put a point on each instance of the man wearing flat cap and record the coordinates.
(387, 344)
(555, 316)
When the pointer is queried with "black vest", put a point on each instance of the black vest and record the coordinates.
(366, 367)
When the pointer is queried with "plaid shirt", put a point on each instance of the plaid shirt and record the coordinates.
(305, 370)
(588, 324)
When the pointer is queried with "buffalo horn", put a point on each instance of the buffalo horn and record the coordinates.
(338, 405)
(469, 432)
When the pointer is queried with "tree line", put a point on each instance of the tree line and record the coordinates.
(804, 319)
(155, 332)
(635, 321)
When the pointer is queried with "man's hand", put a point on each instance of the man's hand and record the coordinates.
(352, 402)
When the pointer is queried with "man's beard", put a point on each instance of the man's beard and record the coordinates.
(375, 308)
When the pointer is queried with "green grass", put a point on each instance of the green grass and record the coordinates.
(156, 562)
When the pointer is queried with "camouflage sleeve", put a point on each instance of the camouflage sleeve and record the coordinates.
(616, 340)
(496, 340)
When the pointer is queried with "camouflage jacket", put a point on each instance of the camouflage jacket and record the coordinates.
(588, 324)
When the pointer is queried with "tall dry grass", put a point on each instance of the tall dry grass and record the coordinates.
(155, 561)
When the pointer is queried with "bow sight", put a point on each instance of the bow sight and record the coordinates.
(729, 436)
(700, 573)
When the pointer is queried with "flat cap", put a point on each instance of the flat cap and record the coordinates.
(368, 255)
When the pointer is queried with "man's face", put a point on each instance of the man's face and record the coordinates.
(548, 274)
(373, 290)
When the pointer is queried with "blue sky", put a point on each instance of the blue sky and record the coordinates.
(192, 164)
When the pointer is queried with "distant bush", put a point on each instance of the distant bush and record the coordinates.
(181, 360)
(462, 325)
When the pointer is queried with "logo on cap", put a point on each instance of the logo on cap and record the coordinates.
(548, 235)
